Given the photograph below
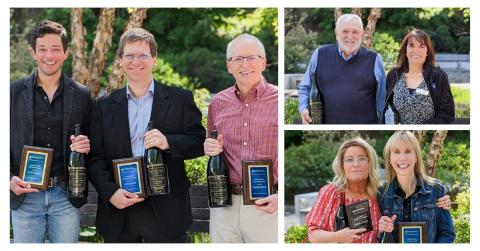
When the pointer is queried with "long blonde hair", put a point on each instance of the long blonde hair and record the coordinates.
(405, 137)
(340, 179)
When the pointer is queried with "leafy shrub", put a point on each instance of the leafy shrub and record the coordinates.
(195, 237)
(293, 138)
(307, 167)
(164, 73)
(454, 166)
(197, 170)
(386, 45)
(89, 234)
(202, 99)
(461, 217)
(299, 45)
(291, 110)
(296, 234)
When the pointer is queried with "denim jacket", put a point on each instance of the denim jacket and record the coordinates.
(424, 209)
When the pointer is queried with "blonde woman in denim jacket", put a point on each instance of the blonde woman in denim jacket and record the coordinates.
(409, 194)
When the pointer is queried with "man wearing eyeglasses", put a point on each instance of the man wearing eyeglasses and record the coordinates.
(245, 116)
(44, 108)
(349, 78)
(118, 129)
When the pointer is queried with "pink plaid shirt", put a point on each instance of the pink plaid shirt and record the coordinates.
(249, 126)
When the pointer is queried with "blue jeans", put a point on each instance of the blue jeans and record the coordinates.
(46, 212)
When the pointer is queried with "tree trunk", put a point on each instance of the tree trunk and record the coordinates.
(357, 11)
(420, 135)
(79, 67)
(101, 44)
(337, 12)
(375, 13)
(115, 80)
(434, 151)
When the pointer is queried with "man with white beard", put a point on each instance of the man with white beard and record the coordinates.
(350, 78)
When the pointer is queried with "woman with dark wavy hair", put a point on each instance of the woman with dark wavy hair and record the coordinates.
(417, 91)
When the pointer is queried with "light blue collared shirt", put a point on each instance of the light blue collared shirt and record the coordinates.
(305, 85)
(139, 111)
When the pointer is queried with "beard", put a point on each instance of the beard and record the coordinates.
(347, 49)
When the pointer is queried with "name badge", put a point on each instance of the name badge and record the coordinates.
(422, 92)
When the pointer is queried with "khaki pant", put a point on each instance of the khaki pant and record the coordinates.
(240, 223)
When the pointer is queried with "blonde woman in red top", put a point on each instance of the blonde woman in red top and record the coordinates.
(356, 179)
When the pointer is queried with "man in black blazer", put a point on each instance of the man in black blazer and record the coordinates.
(118, 126)
(44, 108)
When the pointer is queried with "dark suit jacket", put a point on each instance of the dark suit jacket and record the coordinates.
(175, 114)
(77, 104)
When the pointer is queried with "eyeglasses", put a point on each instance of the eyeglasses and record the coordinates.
(360, 161)
(238, 60)
(140, 57)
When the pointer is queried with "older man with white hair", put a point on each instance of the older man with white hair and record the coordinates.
(350, 78)
(246, 118)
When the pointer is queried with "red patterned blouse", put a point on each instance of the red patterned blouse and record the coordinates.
(322, 215)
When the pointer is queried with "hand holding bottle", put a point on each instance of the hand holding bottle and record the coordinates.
(444, 202)
(154, 138)
(80, 144)
(386, 224)
(306, 119)
(213, 147)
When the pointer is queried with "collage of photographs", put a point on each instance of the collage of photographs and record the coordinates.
(280, 124)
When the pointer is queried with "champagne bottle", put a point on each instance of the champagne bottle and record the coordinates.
(156, 170)
(316, 105)
(77, 173)
(385, 237)
(219, 191)
(341, 218)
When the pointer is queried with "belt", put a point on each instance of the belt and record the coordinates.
(238, 189)
(54, 181)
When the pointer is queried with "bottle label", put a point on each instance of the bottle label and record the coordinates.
(77, 180)
(157, 178)
(218, 189)
(316, 110)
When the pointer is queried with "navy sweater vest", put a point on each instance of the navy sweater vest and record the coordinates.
(348, 87)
